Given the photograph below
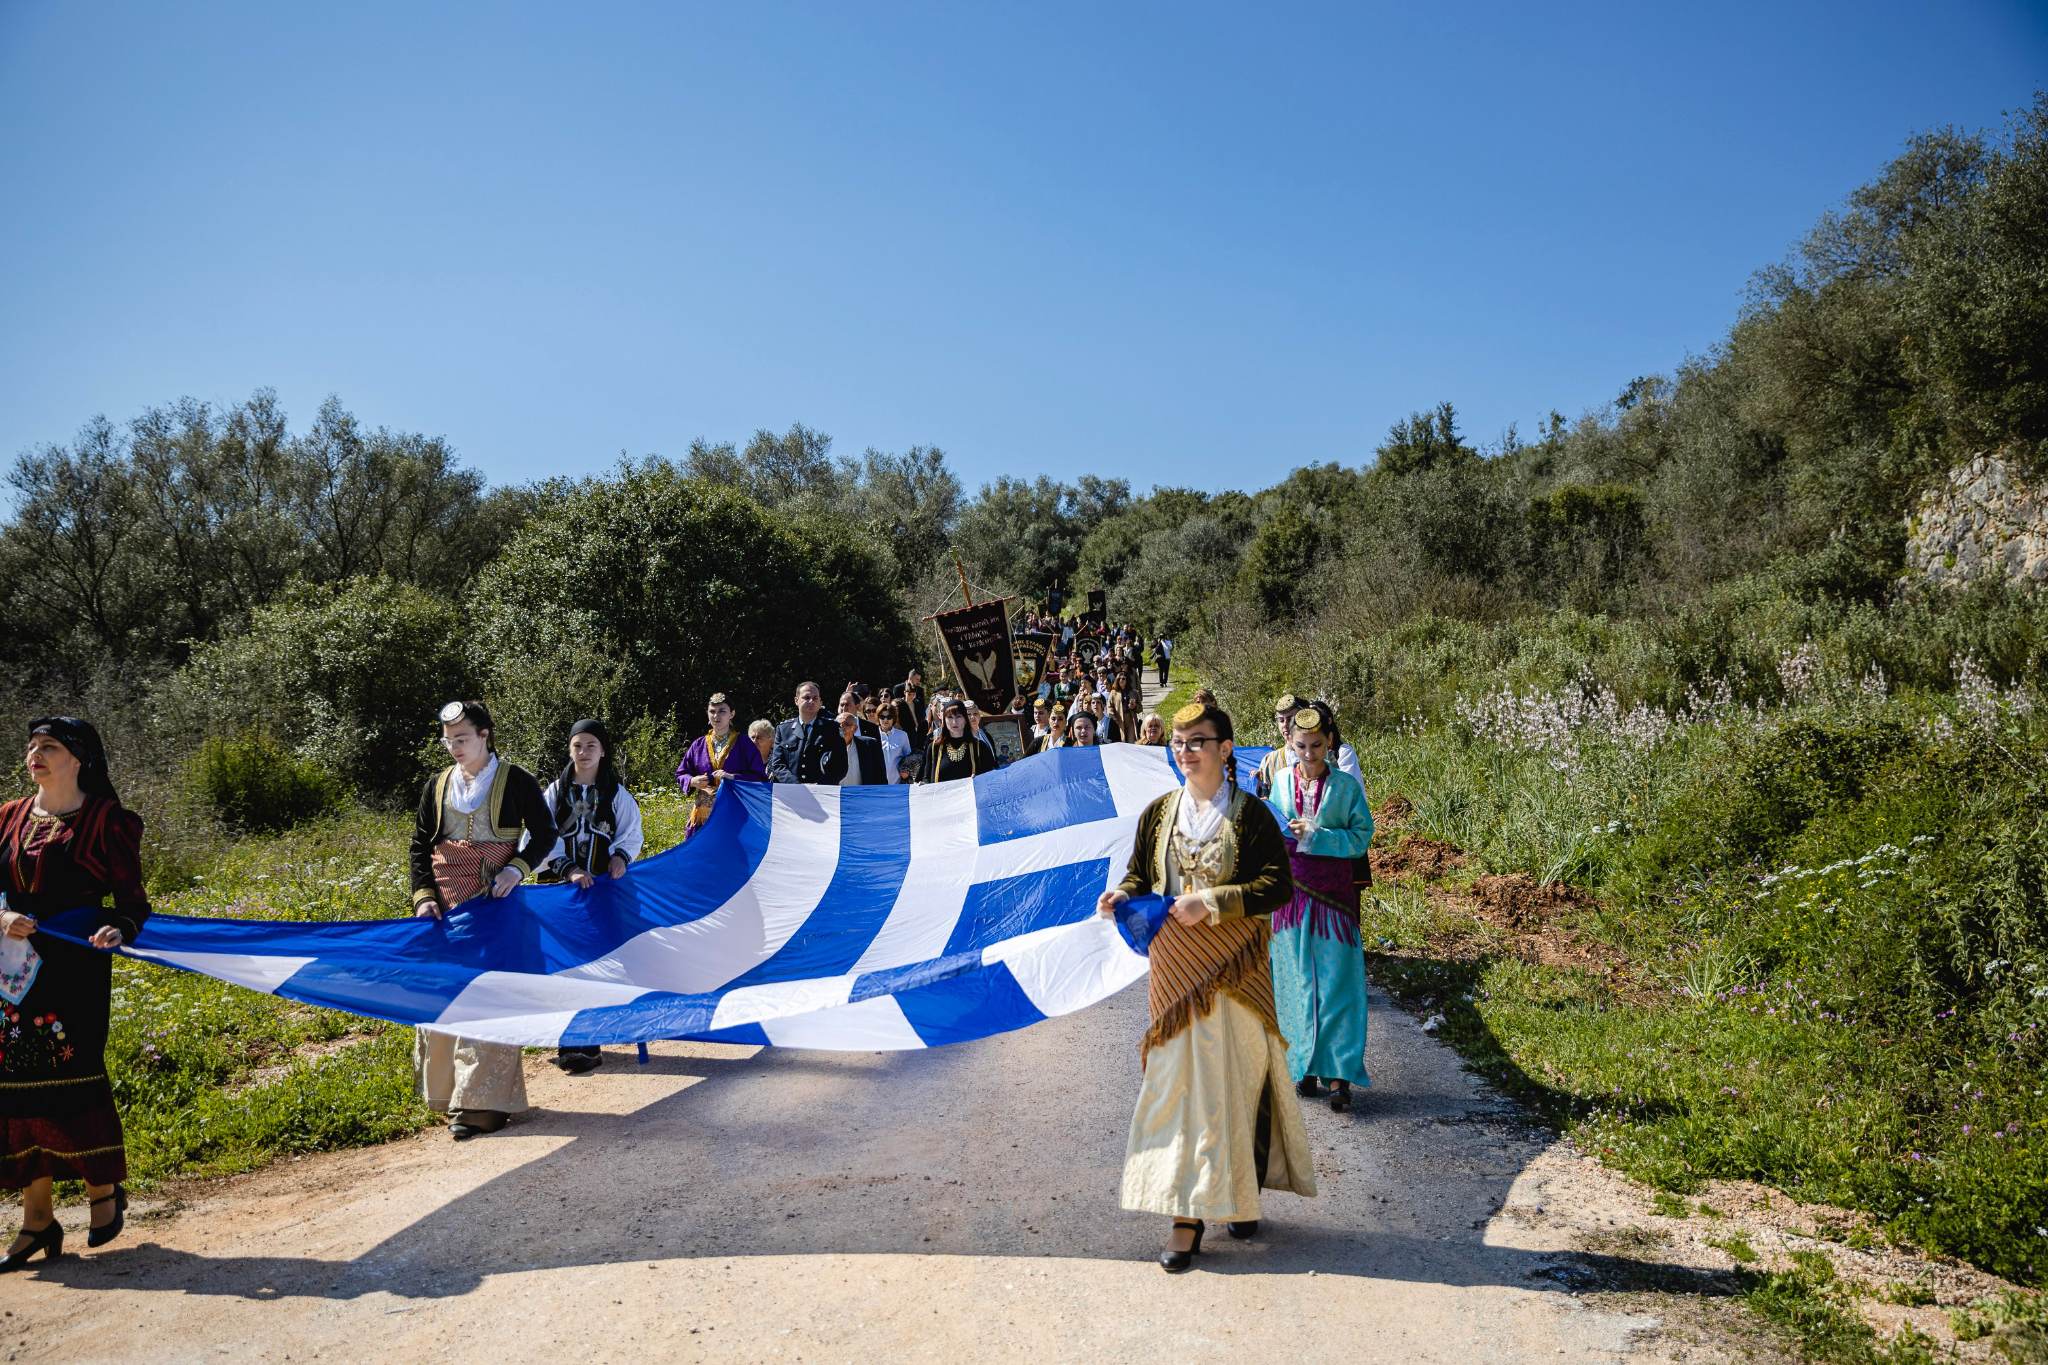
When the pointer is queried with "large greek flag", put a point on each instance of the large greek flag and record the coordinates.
(857, 918)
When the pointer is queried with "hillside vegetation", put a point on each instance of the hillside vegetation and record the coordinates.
(1659, 659)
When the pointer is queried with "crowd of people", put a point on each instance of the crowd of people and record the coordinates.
(1257, 970)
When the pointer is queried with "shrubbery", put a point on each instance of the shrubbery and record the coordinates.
(350, 677)
(643, 593)
(257, 785)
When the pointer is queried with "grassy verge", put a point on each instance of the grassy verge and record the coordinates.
(213, 1079)
(1181, 693)
(1806, 949)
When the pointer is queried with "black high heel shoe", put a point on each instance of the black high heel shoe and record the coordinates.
(1244, 1231)
(1340, 1096)
(1174, 1262)
(48, 1240)
(100, 1236)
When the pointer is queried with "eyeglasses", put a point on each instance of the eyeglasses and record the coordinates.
(1192, 744)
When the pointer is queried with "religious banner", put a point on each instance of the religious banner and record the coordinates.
(1031, 649)
(977, 640)
(1098, 605)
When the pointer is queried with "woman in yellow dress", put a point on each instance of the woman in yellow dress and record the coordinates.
(1217, 1119)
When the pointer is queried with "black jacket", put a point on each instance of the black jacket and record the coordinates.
(514, 805)
(800, 749)
(874, 766)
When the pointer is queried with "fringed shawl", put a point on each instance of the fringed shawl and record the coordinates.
(1190, 964)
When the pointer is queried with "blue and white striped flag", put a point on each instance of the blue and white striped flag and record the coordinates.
(861, 918)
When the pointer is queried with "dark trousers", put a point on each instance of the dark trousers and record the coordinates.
(1162, 672)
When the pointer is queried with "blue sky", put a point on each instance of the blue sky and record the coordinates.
(1176, 243)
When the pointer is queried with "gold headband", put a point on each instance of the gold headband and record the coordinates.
(1307, 718)
(1287, 702)
(1189, 714)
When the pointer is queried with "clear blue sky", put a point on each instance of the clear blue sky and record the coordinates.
(1172, 242)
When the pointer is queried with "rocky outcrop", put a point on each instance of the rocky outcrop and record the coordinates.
(1983, 521)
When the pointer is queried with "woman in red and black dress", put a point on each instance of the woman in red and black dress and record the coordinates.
(70, 846)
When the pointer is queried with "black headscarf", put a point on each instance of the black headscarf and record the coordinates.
(607, 775)
(83, 741)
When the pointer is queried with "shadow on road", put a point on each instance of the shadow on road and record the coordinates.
(1011, 1147)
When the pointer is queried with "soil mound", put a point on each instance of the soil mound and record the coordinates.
(1394, 810)
(1519, 901)
(1416, 856)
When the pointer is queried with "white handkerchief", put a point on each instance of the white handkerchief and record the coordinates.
(19, 962)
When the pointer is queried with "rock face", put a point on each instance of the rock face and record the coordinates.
(1982, 522)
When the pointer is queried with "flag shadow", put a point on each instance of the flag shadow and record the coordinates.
(1011, 1146)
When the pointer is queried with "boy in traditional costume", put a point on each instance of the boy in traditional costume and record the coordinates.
(1216, 1120)
(474, 817)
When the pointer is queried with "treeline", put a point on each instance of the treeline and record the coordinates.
(207, 569)
(1908, 331)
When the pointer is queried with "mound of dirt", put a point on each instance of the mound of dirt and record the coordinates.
(1519, 901)
(1416, 856)
(1394, 810)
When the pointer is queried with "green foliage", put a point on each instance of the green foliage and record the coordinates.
(1028, 536)
(349, 676)
(642, 593)
(1280, 559)
(1425, 441)
(905, 505)
(253, 783)
(148, 537)
(1835, 908)
(1814, 1308)
(2017, 1324)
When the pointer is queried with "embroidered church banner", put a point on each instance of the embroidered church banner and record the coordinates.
(857, 919)
(977, 640)
(1030, 649)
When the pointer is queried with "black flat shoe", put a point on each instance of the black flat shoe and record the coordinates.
(1244, 1231)
(470, 1122)
(100, 1236)
(1174, 1262)
(1307, 1088)
(49, 1240)
(1340, 1096)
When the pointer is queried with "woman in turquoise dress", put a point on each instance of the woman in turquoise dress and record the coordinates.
(1318, 959)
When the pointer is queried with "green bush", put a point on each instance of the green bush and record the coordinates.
(349, 676)
(642, 593)
(256, 784)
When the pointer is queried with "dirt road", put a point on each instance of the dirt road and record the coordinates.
(726, 1204)
(729, 1203)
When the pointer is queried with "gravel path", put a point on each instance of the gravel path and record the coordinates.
(734, 1203)
(728, 1203)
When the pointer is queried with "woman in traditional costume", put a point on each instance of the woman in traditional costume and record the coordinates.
(1282, 756)
(1216, 1121)
(473, 819)
(1055, 736)
(71, 846)
(716, 755)
(597, 828)
(956, 751)
(1318, 959)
